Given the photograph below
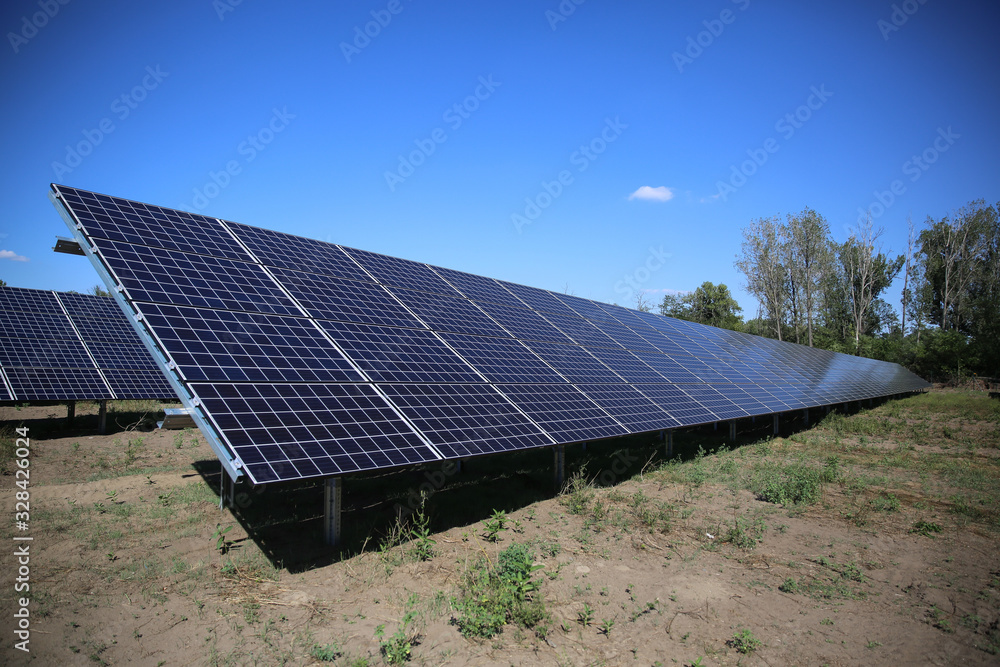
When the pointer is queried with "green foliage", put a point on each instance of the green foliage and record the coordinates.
(925, 528)
(398, 647)
(744, 642)
(605, 626)
(420, 534)
(578, 494)
(222, 545)
(794, 484)
(709, 304)
(745, 533)
(495, 525)
(495, 595)
(326, 653)
(585, 617)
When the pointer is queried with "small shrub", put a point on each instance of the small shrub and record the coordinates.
(492, 596)
(744, 533)
(925, 528)
(796, 484)
(325, 653)
(744, 642)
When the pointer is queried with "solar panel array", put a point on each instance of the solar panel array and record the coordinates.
(57, 346)
(308, 359)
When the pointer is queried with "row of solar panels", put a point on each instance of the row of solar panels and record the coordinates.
(66, 347)
(304, 359)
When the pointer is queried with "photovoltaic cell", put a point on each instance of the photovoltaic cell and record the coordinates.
(539, 299)
(677, 404)
(626, 404)
(136, 384)
(291, 431)
(387, 354)
(502, 359)
(478, 288)
(57, 384)
(298, 253)
(157, 275)
(713, 400)
(573, 362)
(582, 331)
(627, 365)
(586, 308)
(523, 324)
(625, 337)
(444, 313)
(402, 273)
(465, 420)
(224, 346)
(46, 353)
(562, 411)
(329, 298)
(142, 224)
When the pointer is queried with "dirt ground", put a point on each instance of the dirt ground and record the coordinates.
(641, 562)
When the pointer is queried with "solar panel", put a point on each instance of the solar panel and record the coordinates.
(308, 359)
(60, 346)
(502, 359)
(444, 313)
(563, 411)
(223, 346)
(466, 419)
(402, 273)
(388, 354)
(627, 404)
(291, 431)
(329, 298)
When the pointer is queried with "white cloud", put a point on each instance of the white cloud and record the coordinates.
(662, 193)
(12, 256)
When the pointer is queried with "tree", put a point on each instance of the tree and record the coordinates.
(714, 305)
(3, 283)
(955, 254)
(807, 237)
(97, 290)
(760, 260)
(911, 240)
(867, 273)
(642, 302)
(675, 305)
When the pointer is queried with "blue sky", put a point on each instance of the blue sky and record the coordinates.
(500, 138)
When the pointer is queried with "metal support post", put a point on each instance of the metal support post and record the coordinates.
(805, 416)
(70, 412)
(102, 418)
(585, 446)
(670, 442)
(559, 476)
(331, 510)
(732, 430)
(776, 423)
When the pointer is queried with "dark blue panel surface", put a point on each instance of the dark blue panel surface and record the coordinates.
(403, 273)
(465, 420)
(678, 404)
(502, 359)
(297, 253)
(562, 411)
(290, 431)
(329, 298)
(444, 313)
(573, 362)
(57, 384)
(222, 346)
(388, 354)
(524, 324)
(626, 404)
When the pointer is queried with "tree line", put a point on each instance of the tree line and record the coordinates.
(816, 291)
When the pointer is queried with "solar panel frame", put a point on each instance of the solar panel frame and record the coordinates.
(563, 412)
